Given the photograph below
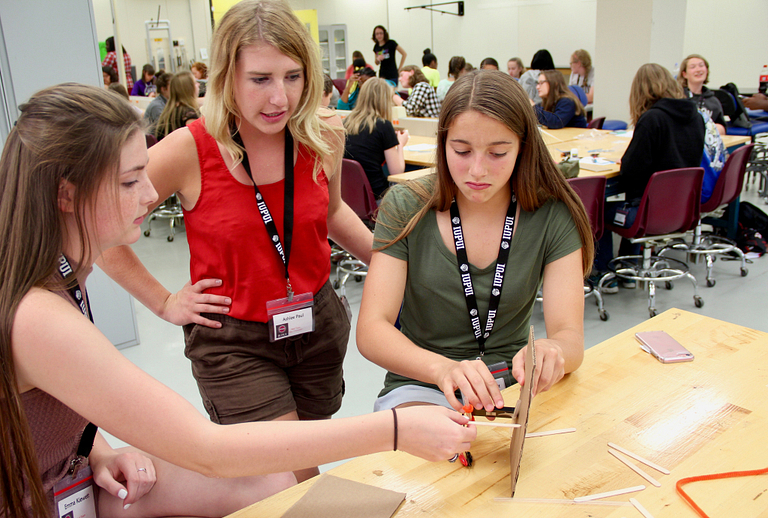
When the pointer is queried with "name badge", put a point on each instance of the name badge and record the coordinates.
(75, 496)
(621, 216)
(288, 318)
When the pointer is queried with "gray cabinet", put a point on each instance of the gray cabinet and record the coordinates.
(333, 41)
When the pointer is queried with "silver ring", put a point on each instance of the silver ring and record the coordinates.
(142, 469)
(453, 459)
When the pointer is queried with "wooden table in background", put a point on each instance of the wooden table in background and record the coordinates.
(707, 416)
(420, 158)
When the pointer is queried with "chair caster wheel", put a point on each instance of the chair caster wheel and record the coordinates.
(358, 278)
(698, 301)
(668, 285)
(652, 312)
(711, 283)
(604, 315)
(170, 239)
(146, 233)
(744, 272)
(336, 284)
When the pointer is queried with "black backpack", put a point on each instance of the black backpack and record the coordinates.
(753, 229)
(729, 98)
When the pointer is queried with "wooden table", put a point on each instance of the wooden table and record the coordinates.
(707, 416)
(420, 158)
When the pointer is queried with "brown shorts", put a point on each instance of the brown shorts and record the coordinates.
(243, 377)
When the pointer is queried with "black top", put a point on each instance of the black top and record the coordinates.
(388, 67)
(368, 148)
(707, 102)
(670, 135)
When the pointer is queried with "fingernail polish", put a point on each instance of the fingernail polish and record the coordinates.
(122, 494)
(126, 506)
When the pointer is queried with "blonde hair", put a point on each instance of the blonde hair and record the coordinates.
(684, 65)
(66, 133)
(181, 98)
(535, 179)
(585, 59)
(271, 22)
(373, 102)
(651, 83)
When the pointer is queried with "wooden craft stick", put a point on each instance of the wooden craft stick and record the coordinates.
(516, 500)
(607, 494)
(634, 468)
(550, 432)
(491, 423)
(639, 458)
(640, 508)
(551, 135)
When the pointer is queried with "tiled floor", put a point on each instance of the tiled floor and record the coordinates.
(161, 352)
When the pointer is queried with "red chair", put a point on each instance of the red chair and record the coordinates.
(596, 123)
(339, 84)
(591, 190)
(357, 193)
(670, 206)
(727, 189)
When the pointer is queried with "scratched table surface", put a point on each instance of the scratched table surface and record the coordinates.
(707, 416)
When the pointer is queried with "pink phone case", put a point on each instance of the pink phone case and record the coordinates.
(663, 347)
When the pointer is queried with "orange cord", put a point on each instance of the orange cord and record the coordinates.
(714, 476)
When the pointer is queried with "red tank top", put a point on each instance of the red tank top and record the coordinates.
(228, 240)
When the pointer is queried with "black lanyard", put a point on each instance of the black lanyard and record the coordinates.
(81, 297)
(498, 276)
(266, 216)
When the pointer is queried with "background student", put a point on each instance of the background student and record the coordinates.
(384, 54)
(583, 73)
(429, 68)
(694, 74)
(542, 60)
(559, 108)
(422, 102)
(456, 68)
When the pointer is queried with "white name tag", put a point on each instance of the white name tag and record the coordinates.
(75, 497)
(292, 323)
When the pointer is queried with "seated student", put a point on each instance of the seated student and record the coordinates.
(68, 199)
(156, 106)
(694, 74)
(109, 75)
(757, 101)
(328, 90)
(559, 108)
(668, 134)
(144, 86)
(352, 88)
(200, 71)
(456, 69)
(423, 101)
(496, 200)
(515, 68)
(583, 73)
(371, 138)
(120, 90)
(181, 108)
(489, 64)
(542, 60)
(351, 68)
(429, 68)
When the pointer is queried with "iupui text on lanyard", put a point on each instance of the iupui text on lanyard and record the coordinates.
(292, 315)
(498, 277)
(75, 495)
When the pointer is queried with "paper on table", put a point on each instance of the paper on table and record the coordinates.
(421, 147)
(331, 497)
(595, 164)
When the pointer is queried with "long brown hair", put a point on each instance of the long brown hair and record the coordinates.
(557, 90)
(274, 23)
(181, 98)
(651, 83)
(72, 133)
(535, 178)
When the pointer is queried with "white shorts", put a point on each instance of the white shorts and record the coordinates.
(411, 394)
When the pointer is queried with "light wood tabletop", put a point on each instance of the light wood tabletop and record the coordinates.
(420, 151)
(702, 417)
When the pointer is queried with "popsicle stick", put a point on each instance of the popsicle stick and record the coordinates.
(639, 458)
(516, 500)
(490, 423)
(640, 508)
(608, 494)
(549, 432)
(551, 135)
(634, 468)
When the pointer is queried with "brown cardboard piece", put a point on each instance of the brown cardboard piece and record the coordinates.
(521, 414)
(333, 497)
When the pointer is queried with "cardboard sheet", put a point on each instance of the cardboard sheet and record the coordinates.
(521, 414)
(334, 497)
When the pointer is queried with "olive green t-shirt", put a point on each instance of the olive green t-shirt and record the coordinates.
(434, 314)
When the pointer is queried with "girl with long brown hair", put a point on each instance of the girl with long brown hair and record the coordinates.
(181, 108)
(559, 108)
(74, 183)
(496, 220)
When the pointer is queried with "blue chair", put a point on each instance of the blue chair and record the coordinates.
(579, 93)
(748, 129)
(614, 125)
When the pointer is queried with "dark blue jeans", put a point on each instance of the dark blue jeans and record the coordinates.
(604, 246)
